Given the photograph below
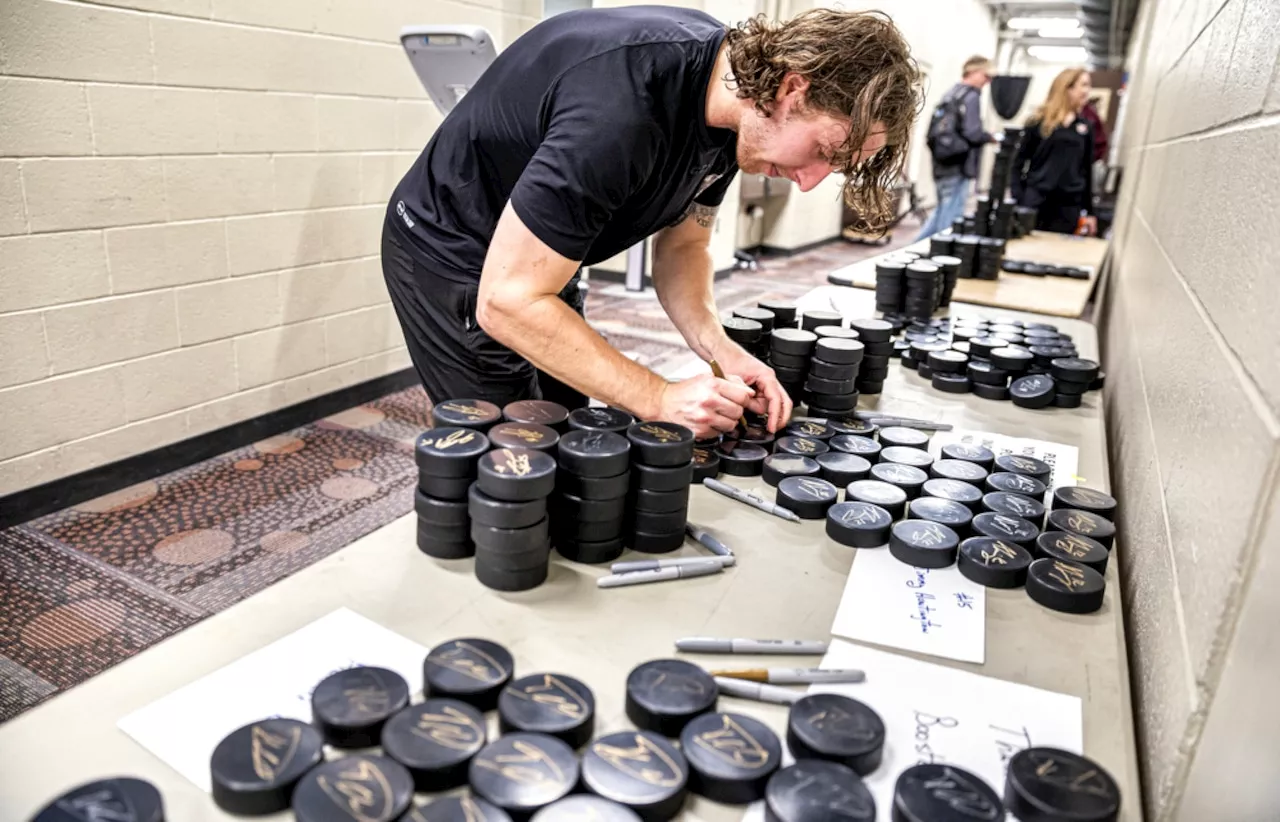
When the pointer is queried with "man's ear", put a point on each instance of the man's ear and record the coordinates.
(793, 86)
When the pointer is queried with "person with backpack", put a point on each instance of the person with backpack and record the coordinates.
(955, 140)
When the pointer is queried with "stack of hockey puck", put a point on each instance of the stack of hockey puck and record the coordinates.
(509, 523)
(767, 320)
(784, 312)
(950, 272)
(982, 215)
(1024, 220)
(789, 354)
(966, 248)
(661, 473)
(1002, 220)
(830, 389)
(447, 458)
(891, 290)
(876, 338)
(922, 294)
(747, 333)
(1072, 376)
(538, 412)
(990, 255)
(588, 511)
(941, 245)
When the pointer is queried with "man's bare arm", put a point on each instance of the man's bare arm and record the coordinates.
(683, 277)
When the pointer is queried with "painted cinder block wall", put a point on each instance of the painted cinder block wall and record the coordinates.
(1193, 403)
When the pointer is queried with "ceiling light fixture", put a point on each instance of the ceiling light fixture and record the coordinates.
(1058, 54)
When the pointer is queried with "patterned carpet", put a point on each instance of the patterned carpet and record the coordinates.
(86, 588)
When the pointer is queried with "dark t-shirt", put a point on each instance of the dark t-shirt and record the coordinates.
(1057, 168)
(592, 124)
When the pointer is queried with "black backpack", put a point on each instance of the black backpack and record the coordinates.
(946, 142)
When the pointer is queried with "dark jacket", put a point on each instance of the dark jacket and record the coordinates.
(971, 130)
(1056, 169)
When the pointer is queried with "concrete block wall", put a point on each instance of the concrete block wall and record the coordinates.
(1193, 403)
(191, 194)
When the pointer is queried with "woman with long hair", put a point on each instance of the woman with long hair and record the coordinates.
(1052, 173)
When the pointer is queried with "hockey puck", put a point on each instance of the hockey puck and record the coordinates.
(585, 808)
(664, 480)
(984, 373)
(907, 477)
(933, 792)
(962, 470)
(1015, 484)
(658, 523)
(767, 319)
(1004, 526)
(577, 509)
(458, 809)
(872, 330)
(660, 444)
(485, 510)
(659, 502)
(800, 446)
(827, 388)
(450, 546)
(925, 371)
(837, 729)
(444, 488)
(1072, 548)
(639, 770)
(255, 768)
(864, 447)
(1047, 784)
(1084, 523)
(706, 464)
(449, 452)
(947, 362)
(840, 469)
(906, 455)
(989, 392)
(950, 383)
(793, 341)
(954, 490)
(1085, 499)
(983, 346)
(853, 426)
(858, 524)
(1013, 360)
(839, 351)
(568, 482)
(778, 467)
(976, 454)
(539, 412)
(814, 429)
(946, 512)
(590, 552)
(730, 757)
(831, 371)
(517, 474)
(511, 549)
(476, 414)
(923, 544)
(358, 788)
(435, 740)
(473, 671)
(1065, 586)
(1026, 466)
(351, 706)
(1100, 382)
(815, 791)
(1073, 369)
(663, 695)
(898, 435)
(742, 459)
(523, 772)
(809, 320)
(886, 495)
(871, 386)
(806, 497)
(522, 579)
(743, 331)
(653, 543)
(995, 563)
(551, 704)
(835, 331)
(524, 435)
(600, 418)
(444, 512)
(1032, 391)
(1062, 400)
(1015, 505)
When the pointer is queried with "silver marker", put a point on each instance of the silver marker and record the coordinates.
(709, 542)
(711, 565)
(796, 676)
(757, 691)
(711, 645)
(919, 425)
(632, 566)
(750, 499)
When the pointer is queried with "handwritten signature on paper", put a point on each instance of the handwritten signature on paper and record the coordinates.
(964, 600)
(923, 609)
(926, 723)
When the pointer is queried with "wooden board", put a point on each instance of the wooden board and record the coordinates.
(1058, 296)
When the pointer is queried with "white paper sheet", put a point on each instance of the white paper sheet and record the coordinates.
(1063, 459)
(937, 714)
(185, 726)
(931, 611)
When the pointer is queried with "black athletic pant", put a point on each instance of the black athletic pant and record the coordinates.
(454, 357)
(1059, 212)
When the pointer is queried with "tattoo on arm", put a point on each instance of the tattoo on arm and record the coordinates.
(704, 214)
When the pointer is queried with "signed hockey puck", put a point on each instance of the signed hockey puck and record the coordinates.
(660, 444)
(435, 740)
(942, 511)
(1047, 784)
(1006, 527)
(905, 455)
(517, 474)
(1072, 548)
(742, 459)
(977, 454)
(995, 563)
(807, 497)
(523, 772)
(954, 490)
(816, 791)
(886, 495)
(853, 426)
(962, 470)
(1085, 499)
(351, 706)
(1084, 523)
(814, 429)
(863, 446)
(1015, 484)
(1015, 505)
(476, 414)
(706, 464)
(837, 729)
(600, 418)
(1026, 466)
(935, 792)
(540, 412)
(907, 477)
(470, 670)
(357, 788)
(552, 704)
(524, 435)
(730, 756)
(900, 435)
(449, 452)
(1032, 391)
(255, 768)
(923, 544)
(800, 446)
(585, 808)
(639, 770)
(1065, 586)
(458, 809)
(840, 469)
(664, 695)
(778, 467)
(858, 524)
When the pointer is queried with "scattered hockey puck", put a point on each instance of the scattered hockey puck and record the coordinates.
(255, 768)
(989, 392)
(932, 792)
(351, 706)
(1050, 784)
(1073, 369)
(742, 459)
(840, 469)
(1013, 360)
(813, 429)
(864, 447)
(1073, 548)
(854, 427)
(524, 435)
(662, 480)
(1084, 523)
(473, 671)
(450, 452)
(1064, 586)
(640, 770)
(517, 474)
(476, 414)
(951, 383)
(1026, 466)
(730, 756)
(551, 704)
(485, 510)
(858, 524)
(458, 809)
(1015, 484)
(872, 330)
(1032, 391)
(947, 361)
(1006, 527)
(600, 418)
(1099, 382)
(1085, 499)
(661, 444)
(905, 455)
(664, 695)
(356, 788)
(585, 808)
(899, 435)
(883, 494)
(837, 729)
(1015, 505)
(800, 446)
(807, 497)
(954, 490)
(995, 563)
(706, 464)
(976, 454)
(907, 477)
(983, 346)
(793, 341)
(778, 467)
(963, 470)
(984, 373)
(540, 412)
(946, 512)
(522, 772)
(816, 791)
(923, 544)
(435, 740)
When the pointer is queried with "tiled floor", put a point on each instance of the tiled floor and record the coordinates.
(85, 588)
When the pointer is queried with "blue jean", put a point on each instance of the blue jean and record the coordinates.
(953, 193)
